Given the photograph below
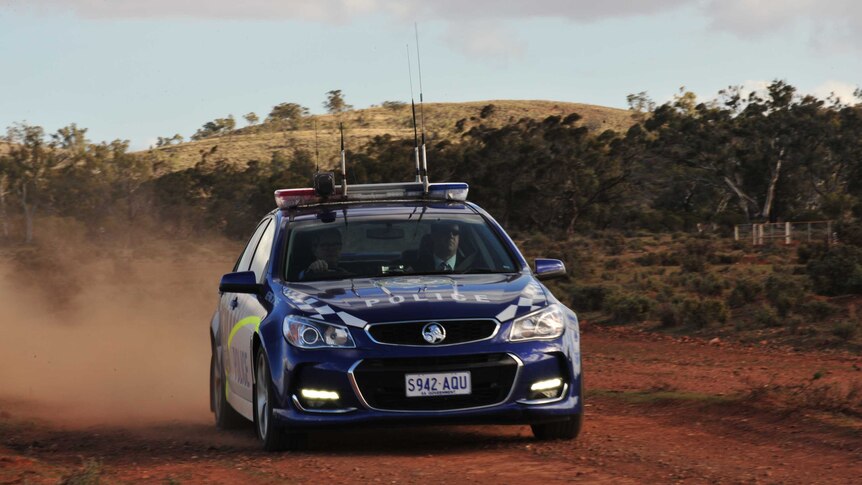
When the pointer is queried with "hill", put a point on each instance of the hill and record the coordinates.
(442, 121)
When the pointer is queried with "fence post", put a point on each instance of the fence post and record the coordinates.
(736, 232)
(787, 237)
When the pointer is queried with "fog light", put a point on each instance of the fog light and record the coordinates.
(546, 389)
(546, 385)
(317, 394)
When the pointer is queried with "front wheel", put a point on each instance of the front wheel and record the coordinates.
(559, 430)
(270, 434)
(562, 430)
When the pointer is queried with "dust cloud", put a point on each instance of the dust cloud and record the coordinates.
(109, 333)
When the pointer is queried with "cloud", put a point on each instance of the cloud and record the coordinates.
(335, 11)
(837, 89)
(832, 24)
(343, 10)
(491, 41)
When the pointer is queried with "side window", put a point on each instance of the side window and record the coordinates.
(261, 254)
(245, 259)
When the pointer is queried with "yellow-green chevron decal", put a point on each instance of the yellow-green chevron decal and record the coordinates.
(243, 323)
(253, 320)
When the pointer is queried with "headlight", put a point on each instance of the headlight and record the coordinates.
(548, 323)
(311, 334)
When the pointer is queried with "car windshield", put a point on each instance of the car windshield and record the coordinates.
(395, 244)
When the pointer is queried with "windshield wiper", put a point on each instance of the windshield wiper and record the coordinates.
(484, 271)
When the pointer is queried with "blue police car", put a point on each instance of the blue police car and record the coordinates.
(390, 303)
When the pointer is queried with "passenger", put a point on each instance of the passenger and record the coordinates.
(445, 255)
(326, 248)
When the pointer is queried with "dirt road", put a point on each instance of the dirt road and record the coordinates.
(660, 410)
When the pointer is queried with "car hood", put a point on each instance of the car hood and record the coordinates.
(358, 302)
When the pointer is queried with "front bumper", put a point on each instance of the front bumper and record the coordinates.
(336, 370)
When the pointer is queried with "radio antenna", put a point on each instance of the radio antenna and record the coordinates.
(316, 149)
(413, 107)
(343, 162)
(424, 172)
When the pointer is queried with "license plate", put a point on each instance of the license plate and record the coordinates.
(437, 384)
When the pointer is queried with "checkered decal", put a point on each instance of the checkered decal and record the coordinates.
(317, 308)
(532, 298)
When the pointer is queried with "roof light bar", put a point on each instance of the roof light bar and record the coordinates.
(286, 198)
(455, 191)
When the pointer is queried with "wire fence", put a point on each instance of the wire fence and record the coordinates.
(786, 232)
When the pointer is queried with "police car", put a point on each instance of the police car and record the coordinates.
(390, 304)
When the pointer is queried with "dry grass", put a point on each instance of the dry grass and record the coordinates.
(362, 125)
(811, 395)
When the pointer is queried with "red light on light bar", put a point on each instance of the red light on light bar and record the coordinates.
(285, 198)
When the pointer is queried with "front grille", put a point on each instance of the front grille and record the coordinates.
(410, 333)
(381, 381)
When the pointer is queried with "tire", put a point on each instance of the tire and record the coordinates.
(559, 430)
(562, 430)
(273, 437)
(225, 416)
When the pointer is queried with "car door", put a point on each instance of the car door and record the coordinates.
(230, 314)
(249, 314)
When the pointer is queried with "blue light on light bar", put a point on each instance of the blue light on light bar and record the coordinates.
(449, 191)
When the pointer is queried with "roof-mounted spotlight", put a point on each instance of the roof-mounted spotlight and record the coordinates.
(324, 184)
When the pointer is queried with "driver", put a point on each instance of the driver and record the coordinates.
(326, 248)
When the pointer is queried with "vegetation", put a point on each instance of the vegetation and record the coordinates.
(625, 208)
(335, 102)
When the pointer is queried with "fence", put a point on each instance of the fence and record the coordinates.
(786, 232)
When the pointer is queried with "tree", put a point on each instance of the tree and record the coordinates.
(164, 141)
(217, 127)
(4, 193)
(287, 115)
(251, 118)
(394, 105)
(28, 168)
(640, 105)
(335, 103)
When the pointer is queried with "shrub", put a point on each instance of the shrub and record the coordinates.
(648, 259)
(766, 317)
(695, 256)
(724, 258)
(589, 298)
(667, 315)
(808, 251)
(837, 271)
(846, 330)
(612, 263)
(818, 310)
(693, 263)
(708, 285)
(784, 293)
(615, 244)
(850, 233)
(745, 291)
(628, 307)
(692, 312)
(700, 313)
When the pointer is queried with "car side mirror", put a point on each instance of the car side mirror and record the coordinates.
(240, 282)
(547, 269)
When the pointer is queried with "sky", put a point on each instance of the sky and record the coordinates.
(140, 69)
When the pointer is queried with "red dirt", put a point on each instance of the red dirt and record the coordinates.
(715, 427)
